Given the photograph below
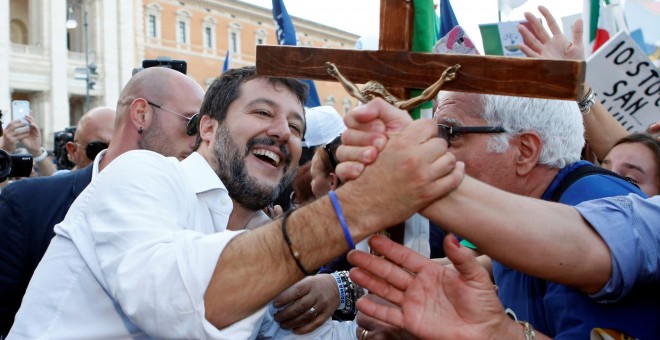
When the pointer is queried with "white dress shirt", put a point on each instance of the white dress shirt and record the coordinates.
(134, 255)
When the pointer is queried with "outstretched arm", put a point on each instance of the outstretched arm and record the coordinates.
(560, 246)
(602, 130)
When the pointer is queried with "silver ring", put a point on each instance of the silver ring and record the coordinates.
(313, 311)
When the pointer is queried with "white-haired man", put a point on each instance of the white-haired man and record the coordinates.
(532, 147)
(521, 155)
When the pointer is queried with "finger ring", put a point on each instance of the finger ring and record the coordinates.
(313, 311)
(363, 335)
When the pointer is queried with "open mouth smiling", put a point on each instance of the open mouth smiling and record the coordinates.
(267, 156)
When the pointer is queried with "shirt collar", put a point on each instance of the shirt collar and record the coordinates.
(97, 161)
(200, 174)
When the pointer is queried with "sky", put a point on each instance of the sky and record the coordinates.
(361, 17)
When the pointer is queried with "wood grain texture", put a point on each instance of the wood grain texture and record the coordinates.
(539, 78)
(397, 21)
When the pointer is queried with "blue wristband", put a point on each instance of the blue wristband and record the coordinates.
(342, 220)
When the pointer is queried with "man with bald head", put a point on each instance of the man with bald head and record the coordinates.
(92, 135)
(154, 112)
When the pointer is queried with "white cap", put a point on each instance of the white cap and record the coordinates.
(323, 124)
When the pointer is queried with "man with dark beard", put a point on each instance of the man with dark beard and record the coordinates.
(144, 251)
(257, 169)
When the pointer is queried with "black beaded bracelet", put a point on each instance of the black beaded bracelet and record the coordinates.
(294, 253)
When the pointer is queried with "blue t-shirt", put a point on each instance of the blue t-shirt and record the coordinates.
(563, 312)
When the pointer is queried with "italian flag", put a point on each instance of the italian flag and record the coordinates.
(423, 40)
(502, 38)
(603, 19)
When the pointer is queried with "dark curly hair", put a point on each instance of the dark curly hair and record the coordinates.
(226, 88)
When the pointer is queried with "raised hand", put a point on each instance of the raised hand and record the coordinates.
(655, 128)
(371, 328)
(538, 43)
(32, 138)
(430, 300)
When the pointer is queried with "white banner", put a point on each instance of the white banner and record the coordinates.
(626, 82)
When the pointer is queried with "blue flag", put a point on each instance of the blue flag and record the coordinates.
(225, 66)
(286, 35)
(447, 18)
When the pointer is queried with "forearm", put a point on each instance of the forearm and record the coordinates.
(46, 167)
(45, 164)
(558, 245)
(602, 130)
(314, 232)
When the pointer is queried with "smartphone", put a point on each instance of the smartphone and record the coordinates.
(20, 109)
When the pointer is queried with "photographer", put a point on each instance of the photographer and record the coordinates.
(31, 138)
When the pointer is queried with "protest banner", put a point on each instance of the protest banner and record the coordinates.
(626, 81)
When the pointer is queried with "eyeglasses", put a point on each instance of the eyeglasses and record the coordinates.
(191, 122)
(92, 149)
(448, 133)
(331, 148)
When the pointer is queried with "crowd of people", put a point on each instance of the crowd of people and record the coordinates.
(238, 213)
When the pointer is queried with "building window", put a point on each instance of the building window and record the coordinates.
(234, 38)
(209, 33)
(181, 32)
(347, 105)
(234, 42)
(330, 101)
(182, 27)
(153, 21)
(152, 26)
(208, 37)
(260, 37)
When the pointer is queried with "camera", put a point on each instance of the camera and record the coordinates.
(14, 165)
(59, 149)
(177, 65)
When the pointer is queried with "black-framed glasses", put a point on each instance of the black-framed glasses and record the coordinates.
(331, 148)
(192, 122)
(448, 133)
(93, 148)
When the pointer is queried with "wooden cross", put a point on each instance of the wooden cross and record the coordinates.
(400, 70)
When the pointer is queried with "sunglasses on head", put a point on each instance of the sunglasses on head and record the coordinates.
(191, 122)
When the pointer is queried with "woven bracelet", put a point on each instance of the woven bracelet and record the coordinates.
(294, 253)
(342, 220)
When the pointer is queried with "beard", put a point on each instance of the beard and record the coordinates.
(243, 188)
(153, 139)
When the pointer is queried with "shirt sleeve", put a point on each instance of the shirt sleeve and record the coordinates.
(330, 329)
(138, 245)
(626, 224)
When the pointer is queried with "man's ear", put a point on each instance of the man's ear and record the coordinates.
(207, 126)
(140, 114)
(529, 150)
(71, 148)
(334, 181)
